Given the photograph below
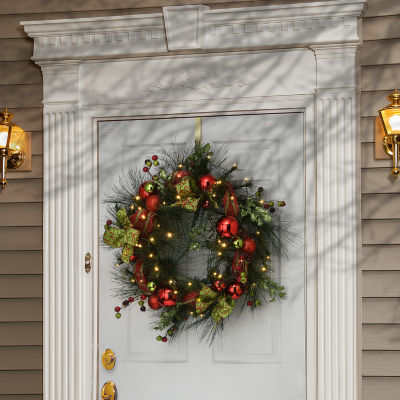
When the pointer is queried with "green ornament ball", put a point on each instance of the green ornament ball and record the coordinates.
(156, 163)
(118, 315)
(149, 187)
(141, 302)
(271, 203)
(159, 338)
(257, 302)
(243, 280)
(238, 242)
(151, 286)
(170, 332)
(148, 163)
(155, 177)
(243, 274)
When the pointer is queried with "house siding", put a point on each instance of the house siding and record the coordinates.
(21, 202)
(380, 59)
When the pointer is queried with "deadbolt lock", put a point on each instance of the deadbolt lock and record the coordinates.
(109, 391)
(108, 359)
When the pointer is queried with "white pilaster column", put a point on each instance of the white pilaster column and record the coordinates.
(64, 280)
(338, 204)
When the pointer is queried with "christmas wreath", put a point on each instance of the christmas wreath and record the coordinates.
(187, 208)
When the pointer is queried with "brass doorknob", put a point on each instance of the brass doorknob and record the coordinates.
(108, 359)
(109, 391)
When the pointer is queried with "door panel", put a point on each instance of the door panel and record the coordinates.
(257, 355)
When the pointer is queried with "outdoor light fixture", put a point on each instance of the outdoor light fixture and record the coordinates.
(11, 154)
(390, 117)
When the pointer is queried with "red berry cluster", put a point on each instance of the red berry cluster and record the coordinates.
(270, 205)
(148, 163)
(127, 302)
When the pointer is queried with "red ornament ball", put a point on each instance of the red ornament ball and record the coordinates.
(249, 303)
(143, 297)
(153, 202)
(153, 302)
(219, 286)
(249, 246)
(145, 169)
(266, 206)
(235, 290)
(166, 297)
(164, 339)
(109, 222)
(228, 227)
(131, 299)
(154, 158)
(178, 175)
(117, 309)
(142, 191)
(206, 182)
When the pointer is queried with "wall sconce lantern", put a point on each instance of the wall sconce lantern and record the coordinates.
(390, 117)
(11, 154)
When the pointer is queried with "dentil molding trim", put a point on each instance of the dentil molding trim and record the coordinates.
(196, 27)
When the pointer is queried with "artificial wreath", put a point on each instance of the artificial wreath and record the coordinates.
(187, 207)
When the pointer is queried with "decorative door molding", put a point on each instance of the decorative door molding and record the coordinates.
(300, 57)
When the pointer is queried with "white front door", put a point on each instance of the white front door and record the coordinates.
(259, 357)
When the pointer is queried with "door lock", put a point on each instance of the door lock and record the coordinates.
(88, 262)
(108, 359)
(109, 391)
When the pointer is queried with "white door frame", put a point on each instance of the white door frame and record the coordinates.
(75, 55)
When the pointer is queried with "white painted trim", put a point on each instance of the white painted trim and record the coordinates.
(196, 27)
(68, 50)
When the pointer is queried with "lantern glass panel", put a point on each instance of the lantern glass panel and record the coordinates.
(391, 120)
(16, 134)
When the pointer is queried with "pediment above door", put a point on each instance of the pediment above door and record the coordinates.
(196, 28)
